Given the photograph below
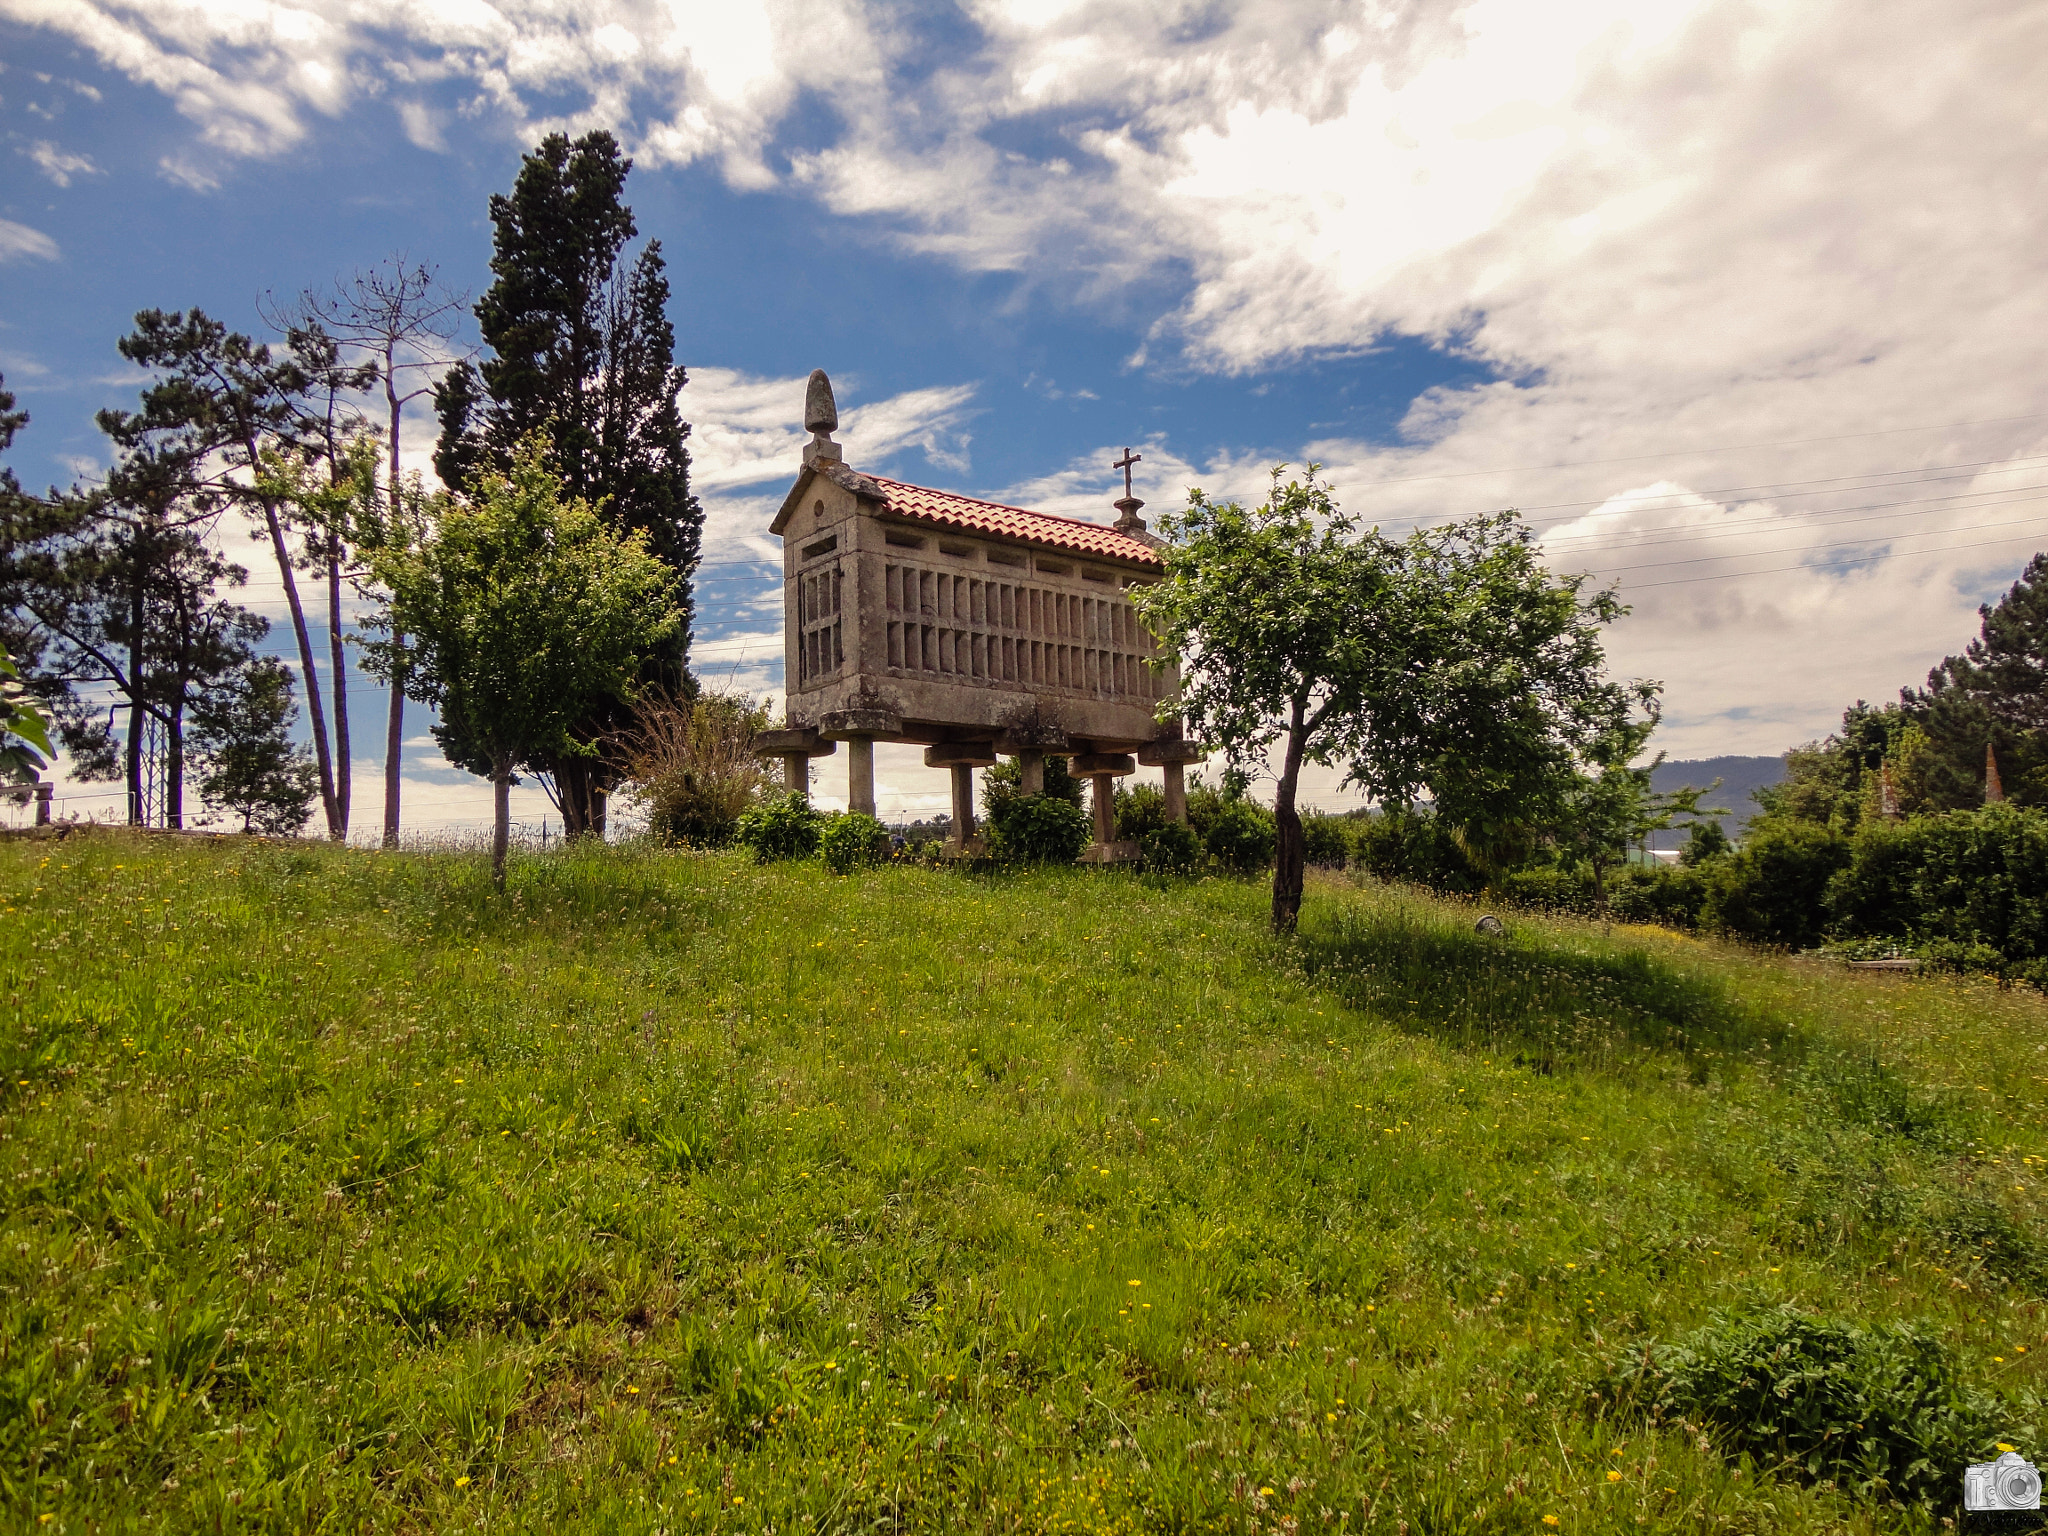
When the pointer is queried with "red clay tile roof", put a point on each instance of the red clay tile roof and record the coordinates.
(948, 510)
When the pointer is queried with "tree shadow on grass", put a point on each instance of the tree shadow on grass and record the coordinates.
(1547, 1005)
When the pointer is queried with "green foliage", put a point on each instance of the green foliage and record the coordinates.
(1774, 887)
(24, 734)
(1990, 695)
(780, 827)
(1970, 878)
(1326, 840)
(1450, 665)
(1657, 893)
(332, 1179)
(1704, 841)
(524, 615)
(1005, 778)
(253, 768)
(1885, 1410)
(1240, 836)
(1413, 847)
(1037, 829)
(1140, 811)
(851, 840)
(1171, 848)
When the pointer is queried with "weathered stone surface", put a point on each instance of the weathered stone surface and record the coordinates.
(801, 742)
(1158, 754)
(860, 724)
(965, 754)
(1089, 764)
(1122, 852)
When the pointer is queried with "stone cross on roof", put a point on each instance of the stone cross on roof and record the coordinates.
(1128, 521)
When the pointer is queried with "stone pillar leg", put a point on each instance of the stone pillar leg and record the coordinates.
(963, 804)
(1031, 772)
(860, 775)
(796, 774)
(1105, 808)
(43, 793)
(1176, 792)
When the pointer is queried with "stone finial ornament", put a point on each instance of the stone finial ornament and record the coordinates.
(1994, 789)
(821, 411)
(821, 419)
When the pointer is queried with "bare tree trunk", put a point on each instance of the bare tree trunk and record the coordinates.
(394, 725)
(501, 831)
(1291, 855)
(137, 715)
(394, 744)
(174, 766)
(340, 656)
(314, 708)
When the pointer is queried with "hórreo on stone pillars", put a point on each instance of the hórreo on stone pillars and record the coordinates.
(976, 630)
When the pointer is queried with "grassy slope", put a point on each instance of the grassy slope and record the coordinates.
(676, 1193)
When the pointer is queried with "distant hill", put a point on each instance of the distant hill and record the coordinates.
(1739, 776)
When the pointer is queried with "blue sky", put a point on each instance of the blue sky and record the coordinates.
(1742, 304)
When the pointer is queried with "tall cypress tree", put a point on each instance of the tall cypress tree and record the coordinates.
(582, 350)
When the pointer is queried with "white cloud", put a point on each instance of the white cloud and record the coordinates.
(18, 241)
(1672, 233)
(59, 165)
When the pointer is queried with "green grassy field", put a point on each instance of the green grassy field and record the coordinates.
(671, 1193)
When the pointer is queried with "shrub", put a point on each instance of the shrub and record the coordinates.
(1650, 893)
(1883, 1409)
(1550, 888)
(1140, 811)
(1774, 887)
(1037, 829)
(1412, 847)
(1967, 881)
(1171, 849)
(784, 827)
(1326, 840)
(850, 841)
(1005, 779)
(1241, 836)
(690, 765)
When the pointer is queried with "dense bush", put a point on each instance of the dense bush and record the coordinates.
(1774, 887)
(1968, 880)
(1550, 888)
(1140, 811)
(1037, 829)
(1882, 1410)
(851, 841)
(1171, 849)
(1412, 847)
(1326, 840)
(1652, 893)
(784, 827)
(1240, 836)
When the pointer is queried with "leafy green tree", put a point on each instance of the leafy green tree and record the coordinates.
(526, 617)
(1774, 887)
(582, 349)
(1611, 807)
(24, 733)
(252, 767)
(1450, 664)
(1704, 841)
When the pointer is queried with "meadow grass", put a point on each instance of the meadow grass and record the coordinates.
(670, 1193)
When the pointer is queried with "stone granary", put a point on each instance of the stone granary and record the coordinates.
(978, 630)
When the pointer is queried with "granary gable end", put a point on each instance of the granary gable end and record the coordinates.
(921, 615)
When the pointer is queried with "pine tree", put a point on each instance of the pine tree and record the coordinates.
(253, 768)
(1994, 694)
(582, 352)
